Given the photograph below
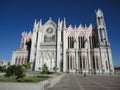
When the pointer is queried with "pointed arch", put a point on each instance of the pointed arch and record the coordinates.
(71, 42)
(93, 40)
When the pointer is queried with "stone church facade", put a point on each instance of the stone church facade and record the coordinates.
(70, 49)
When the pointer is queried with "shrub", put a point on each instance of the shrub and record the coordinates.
(24, 80)
(17, 71)
(45, 69)
(2, 68)
(9, 71)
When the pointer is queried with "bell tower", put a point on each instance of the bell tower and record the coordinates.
(104, 46)
(101, 27)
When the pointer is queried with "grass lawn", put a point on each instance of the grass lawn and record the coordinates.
(25, 79)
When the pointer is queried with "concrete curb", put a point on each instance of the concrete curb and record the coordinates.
(52, 81)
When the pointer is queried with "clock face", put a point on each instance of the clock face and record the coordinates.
(49, 35)
(49, 30)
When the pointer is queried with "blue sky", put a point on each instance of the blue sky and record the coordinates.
(17, 16)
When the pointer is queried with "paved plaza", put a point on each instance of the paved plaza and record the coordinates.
(90, 82)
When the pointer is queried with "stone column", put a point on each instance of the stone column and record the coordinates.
(82, 61)
(77, 62)
(72, 63)
(95, 63)
(69, 63)
(58, 48)
(37, 64)
(85, 63)
(89, 61)
(110, 62)
(64, 50)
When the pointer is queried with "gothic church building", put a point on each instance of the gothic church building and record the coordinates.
(70, 49)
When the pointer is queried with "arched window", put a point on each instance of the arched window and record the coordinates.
(93, 62)
(80, 62)
(83, 62)
(68, 62)
(90, 40)
(71, 42)
(99, 22)
(101, 34)
(68, 42)
(106, 65)
(93, 41)
(97, 62)
(83, 42)
(79, 42)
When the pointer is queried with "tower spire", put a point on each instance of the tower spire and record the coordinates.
(58, 20)
(64, 22)
(35, 23)
(101, 27)
(40, 23)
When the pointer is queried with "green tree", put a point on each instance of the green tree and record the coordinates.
(2, 68)
(14, 70)
(20, 72)
(45, 69)
(26, 67)
(10, 71)
(8, 63)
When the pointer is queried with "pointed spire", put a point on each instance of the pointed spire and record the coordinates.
(95, 11)
(35, 23)
(59, 24)
(70, 25)
(75, 27)
(23, 33)
(26, 33)
(58, 20)
(90, 27)
(85, 26)
(40, 23)
(29, 33)
(50, 18)
(99, 12)
(64, 22)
